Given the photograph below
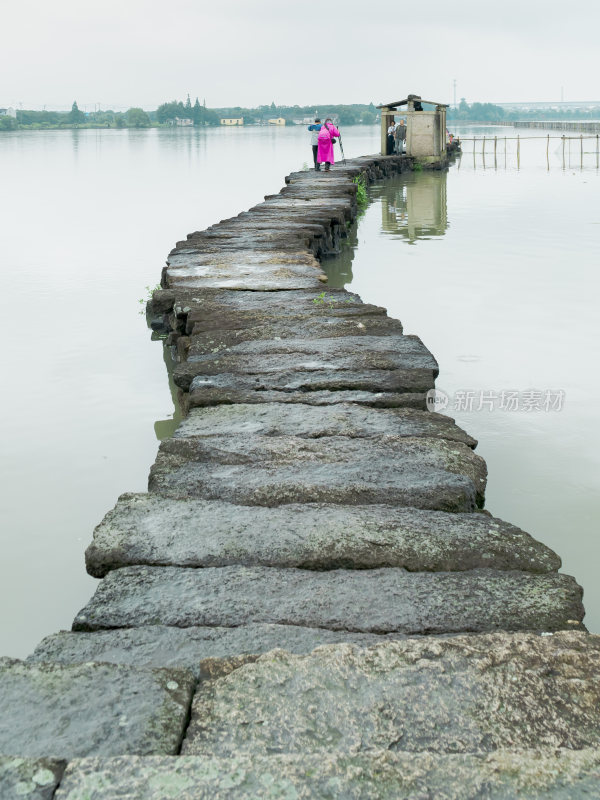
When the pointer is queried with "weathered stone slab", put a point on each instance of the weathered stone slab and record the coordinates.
(315, 233)
(300, 372)
(213, 309)
(365, 601)
(164, 646)
(253, 226)
(60, 711)
(146, 529)
(455, 695)
(347, 419)
(338, 208)
(382, 388)
(293, 327)
(250, 222)
(185, 255)
(247, 233)
(402, 389)
(377, 775)
(274, 223)
(29, 778)
(270, 471)
(324, 203)
(315, 218)
(259, 274)
(274, 247)
(247, 243)
(356, 353)
(317, 187)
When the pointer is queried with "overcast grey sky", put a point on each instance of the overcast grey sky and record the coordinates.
(236, 52)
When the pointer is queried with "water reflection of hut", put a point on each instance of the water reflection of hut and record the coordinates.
(425, 129)
(415, 208)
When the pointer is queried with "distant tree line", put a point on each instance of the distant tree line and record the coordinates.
(169, 113)
(75, 118)
(354, 114)
(488, 112)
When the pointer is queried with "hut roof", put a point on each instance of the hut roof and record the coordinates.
(411, 97)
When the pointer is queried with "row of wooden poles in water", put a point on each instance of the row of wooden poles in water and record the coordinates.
(488, 139)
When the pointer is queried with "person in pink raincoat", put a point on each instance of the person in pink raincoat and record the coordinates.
(325, 152)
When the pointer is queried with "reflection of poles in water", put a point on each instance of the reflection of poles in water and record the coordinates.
(393, 209)
(566, 154)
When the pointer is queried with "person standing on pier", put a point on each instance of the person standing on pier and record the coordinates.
(400, 136)
(314, 141)
(327, 138)
(390, 138)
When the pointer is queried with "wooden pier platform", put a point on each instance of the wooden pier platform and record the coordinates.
(310, 601)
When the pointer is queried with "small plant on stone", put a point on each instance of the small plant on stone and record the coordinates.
(362, 199)
(149, 292)
(325, 299)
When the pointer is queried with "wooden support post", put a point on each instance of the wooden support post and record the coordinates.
(495, 145)
(483, 146)
(581, 150)
(385, 115)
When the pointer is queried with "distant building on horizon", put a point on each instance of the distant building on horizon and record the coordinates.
(233, 121)
(277, 121)
(180, 122)
(8, 112)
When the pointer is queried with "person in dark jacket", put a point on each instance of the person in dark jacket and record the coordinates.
(390, 138)
(400, 136)
(314, 141)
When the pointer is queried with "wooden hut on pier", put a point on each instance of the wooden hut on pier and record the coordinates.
(425, 130)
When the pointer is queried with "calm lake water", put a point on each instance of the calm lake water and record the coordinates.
(493, 268)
